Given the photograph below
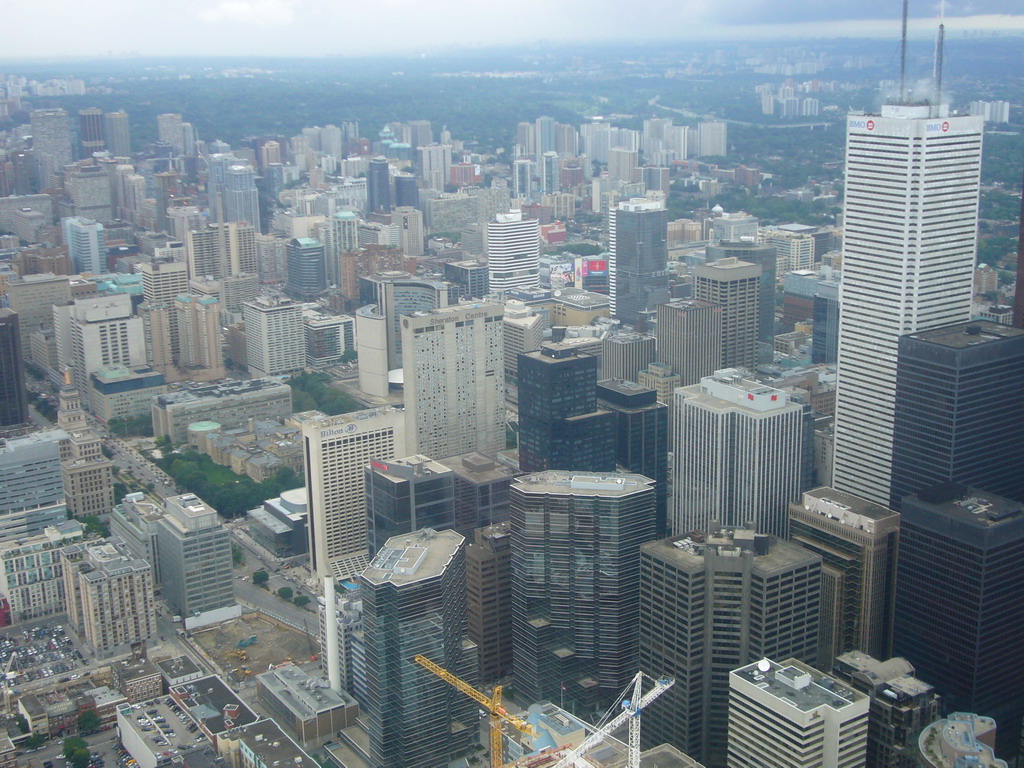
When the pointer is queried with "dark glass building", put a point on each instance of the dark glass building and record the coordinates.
(560, 426)
(404, 495)
(407, 191)
(825, 336)
(641, 437)
(471, 277)
(414, 603)
(960, 409)
(378, 186)
(959, 614)
(13, 397)
(638, 265)
(576, 584)
(307, 268)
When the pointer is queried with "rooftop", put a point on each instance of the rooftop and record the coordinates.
(971, 505)
(582, 484)
(968, 334)
(798, 685)
(848, 509)
(478, 468)
(225, 388)
(271, 745)
(304, 696)
(955, 742)
(179, 666)
(210, 702)
(413, 557)
(769, 553)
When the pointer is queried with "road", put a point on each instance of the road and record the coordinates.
(104, 743)
(133, 462)
(277, 607)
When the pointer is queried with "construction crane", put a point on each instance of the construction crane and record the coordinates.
(7, 682)
(631, 708)
(491, 703)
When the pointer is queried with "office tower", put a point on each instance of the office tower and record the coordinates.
(560, 424)
(711, 601)
(241, 198)
(117, 134)
(90, 131)
(513, 252)
(200, 348)
(825, 336)
(30, 474)
(165, 190)
(33, 298)
(378, 186)
(454, 387)
(907, 267)
(624, 355)
(732, 227)
(410, 230)
(656, 179)
(901, 706)
(406, 494)
(524, 332)
(738, 448)
(337, 449)
(470, 276)
(195, 557)
(407, 190)
(421, 133)
(857, 541)
(961, 549)
(87, 245)
(550, 173)
(641, 437)
(435, 165)
(307, 273)
(168, 129)
(659, 377)
(794, 246)
(109, 596)
(88, 186)
(414, 603)
(960, 739)
(489, 599)
(522, 179)
(712, 139)
(689, 335)
(219, 250)
(87, 474)
(736, 286)
(959, 409)
(13, 395)
(182, 219)
(638, 264)
(96, 332)
(764, 256)
(575, 583)
(623, 166)
(51, 143)
(273, 336)
(481, 491)
(788, 713)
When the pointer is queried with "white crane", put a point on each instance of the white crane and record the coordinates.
(631, 708)
(7, 681)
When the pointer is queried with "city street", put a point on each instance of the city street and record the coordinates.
(133, 462)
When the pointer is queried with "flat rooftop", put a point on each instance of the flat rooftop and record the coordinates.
(413, 557)
(179, 666)
(272, 745)
(227, 388)
(210, 702)
(970, 505)
(844, 507)
(478, 468)
(305, 697)
(968, 334)
(583, 484)
(689, 550)
(799, 685)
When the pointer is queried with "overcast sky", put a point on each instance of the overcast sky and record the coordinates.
(50, 28)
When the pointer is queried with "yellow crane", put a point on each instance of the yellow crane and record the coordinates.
(491, 703)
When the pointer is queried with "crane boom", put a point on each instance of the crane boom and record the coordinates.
(454, 681)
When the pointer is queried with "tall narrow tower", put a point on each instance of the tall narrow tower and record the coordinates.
(911, 219)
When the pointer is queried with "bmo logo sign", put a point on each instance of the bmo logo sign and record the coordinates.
(937, 127)
(869, 124)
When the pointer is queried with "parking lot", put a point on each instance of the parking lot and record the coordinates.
(41, 651)
(165, 730)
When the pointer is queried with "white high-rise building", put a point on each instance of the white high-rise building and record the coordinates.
(791, 714)
(910, 220)
(435, 165)
(513, 252)
(241, 199)
(337, 450)
(87, 244)
(712, 139)
(738, 455)
(275, 341)
(454, 380)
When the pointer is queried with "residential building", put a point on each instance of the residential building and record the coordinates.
(329, 338)
(793, 249)
(711, 601)
(274, 338)
(414, 603)
(195, 557)
(31, 573)
(200, 347)
(222, 249)
(513, 252)
(471, 276)
(908, 265)
(454, 384)
(689, 335)
(241, 198)
(117, 134)
(857, 541)
(489, 599)
(230, 403)
(30, 474)
(738, 454)
(736, 287)
(87, 244)
(523, 329)
(134, 522)
(577, 635)
(638, 262)
(51, 143)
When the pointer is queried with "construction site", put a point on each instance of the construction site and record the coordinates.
(249, 645)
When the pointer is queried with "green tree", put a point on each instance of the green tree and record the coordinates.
(94, 526)
(89, 721)
(301, 601)
(77, 752)
(259, 578)
(35, 741)
(285, 592)
(237, 555)
(22, 724)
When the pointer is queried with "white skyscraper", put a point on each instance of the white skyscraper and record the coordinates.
(738, 450)
(513, 252)
(87, 244)
(454, 380)
(275, 341)
(435, 165)
(910, 220)
(241, 199)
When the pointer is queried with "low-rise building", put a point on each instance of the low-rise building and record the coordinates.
(120, 392)
(229, 403)
(262, 745)
(306, 707)
(138, 679)
(179, 670)
(281, 524)
(212, 705)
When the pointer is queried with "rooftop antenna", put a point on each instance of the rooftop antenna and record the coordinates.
(903, 56)
(939, 41)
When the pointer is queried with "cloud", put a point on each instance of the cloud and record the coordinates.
(257, 12)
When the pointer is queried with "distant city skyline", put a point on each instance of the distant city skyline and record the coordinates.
(198, 26)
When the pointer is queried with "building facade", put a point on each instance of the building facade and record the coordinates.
(638, 262)
(689, 334)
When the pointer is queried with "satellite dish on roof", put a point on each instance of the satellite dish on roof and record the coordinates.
(558, 293)
(764, 665)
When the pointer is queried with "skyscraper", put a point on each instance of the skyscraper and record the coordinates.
(51, 142)
(378, 186)
(765, 257)
(689, 334)
(638, 264)
(87, 245)
(857, 541)
(241, 198)
(736, 286)
(13, 395)
(435, 164)
(406, 494)
(959, 409)
(908, 264)
(307, 268)
(513, 252)
(738, 447)
(624, 355)
(274, 337)
(30, 474)
(489, 599)
(414, 603)
(704, 598)
(454, 382)
(560, 425)
(116, 134)
(958, 619)
(90, 131)
(220, 250)
(576, 582)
